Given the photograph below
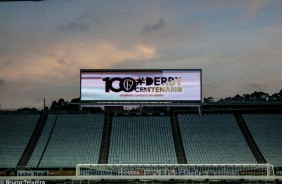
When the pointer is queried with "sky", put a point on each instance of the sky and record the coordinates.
(43, 45)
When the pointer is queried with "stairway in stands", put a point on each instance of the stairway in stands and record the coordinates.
(249, 138)
(48, 140)
(106, 139)
(32, 141)
(177, 139)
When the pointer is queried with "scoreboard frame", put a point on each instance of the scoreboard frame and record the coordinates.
(141, 70)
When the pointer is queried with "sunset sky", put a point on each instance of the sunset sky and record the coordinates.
(43, 45)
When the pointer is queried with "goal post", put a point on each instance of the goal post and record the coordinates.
(174, 170)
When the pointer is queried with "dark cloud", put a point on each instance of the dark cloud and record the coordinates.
(61, 61)
(2, 82)
(156, 26)
(75, 26)
(80, 23)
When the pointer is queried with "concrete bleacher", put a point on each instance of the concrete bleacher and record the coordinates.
(213, 139)
(266, 130)
(15, 131)
(75, 139)
(70, 139)
(39, 149)
(145, 139)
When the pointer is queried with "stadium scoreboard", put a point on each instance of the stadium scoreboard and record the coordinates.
(157, 85)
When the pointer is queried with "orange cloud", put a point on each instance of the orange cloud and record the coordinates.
(64, 59)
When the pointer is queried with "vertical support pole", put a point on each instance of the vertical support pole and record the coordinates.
(200, 110)
(77, 173)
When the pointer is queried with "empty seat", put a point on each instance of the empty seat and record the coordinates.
(145, 139)
(266, 130)
(76, 139)
(15, 131)
(213, 139)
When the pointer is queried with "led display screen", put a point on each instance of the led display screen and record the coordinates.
(141, 85)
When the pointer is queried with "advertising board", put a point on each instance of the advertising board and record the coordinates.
(33, 173)
(141, 85)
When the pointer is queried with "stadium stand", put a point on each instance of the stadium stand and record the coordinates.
(106, 140)
(178, 143)
(32, 141)
(42, 142)
(249, 138)
(210, 142)
(75, 139)
(15, 131)
(213, 139)
(267, 132)
(141, 139)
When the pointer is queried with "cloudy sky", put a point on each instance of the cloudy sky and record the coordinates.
(43, 45)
